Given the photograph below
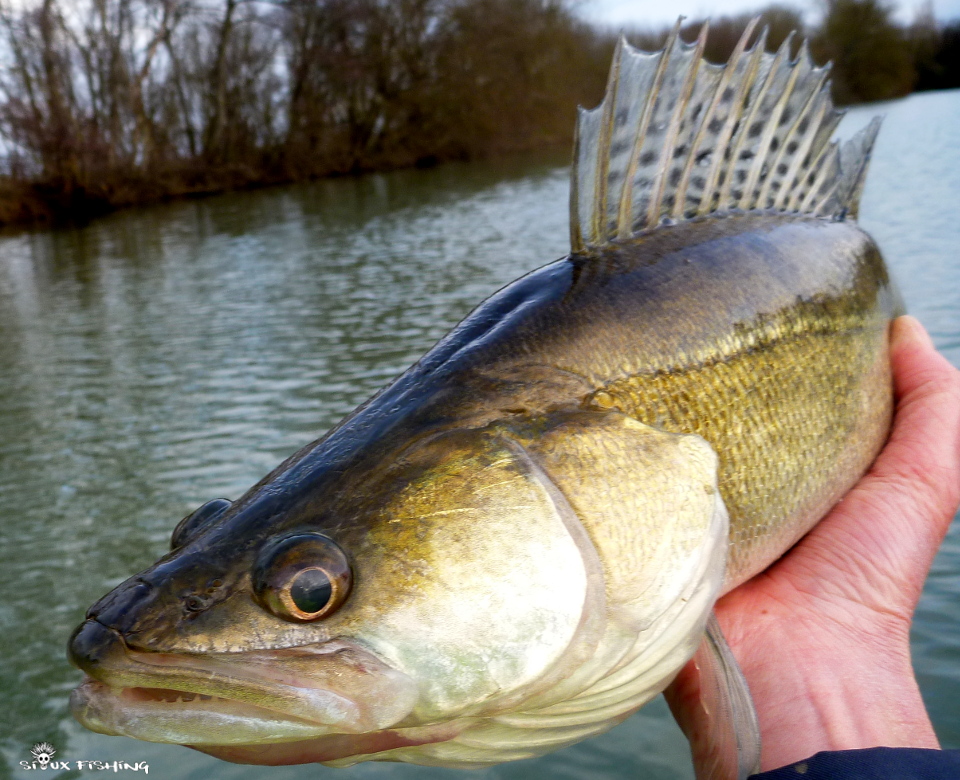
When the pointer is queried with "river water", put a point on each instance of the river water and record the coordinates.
(165, 356)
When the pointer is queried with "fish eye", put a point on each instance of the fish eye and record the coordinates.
(301, 576)
(187, 528)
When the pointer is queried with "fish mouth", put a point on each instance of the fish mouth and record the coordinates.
(245, 698)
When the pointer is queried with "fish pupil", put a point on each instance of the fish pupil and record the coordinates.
(311, 590)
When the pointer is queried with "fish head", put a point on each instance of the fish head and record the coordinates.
(452, 584)
(471, 575)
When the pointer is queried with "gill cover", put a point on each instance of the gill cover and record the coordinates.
(584, 508)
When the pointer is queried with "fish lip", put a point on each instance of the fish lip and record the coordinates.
(202, 676)
(254, 682)
(121, 712)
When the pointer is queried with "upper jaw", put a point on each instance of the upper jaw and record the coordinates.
(134, 712)
(234, 698)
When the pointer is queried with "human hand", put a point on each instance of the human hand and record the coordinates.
(823, 636)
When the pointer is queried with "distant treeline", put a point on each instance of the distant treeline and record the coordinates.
(874, 58)
(105, 103)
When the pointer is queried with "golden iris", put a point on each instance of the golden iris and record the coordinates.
(301, 576)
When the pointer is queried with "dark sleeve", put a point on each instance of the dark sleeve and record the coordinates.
(880, 763)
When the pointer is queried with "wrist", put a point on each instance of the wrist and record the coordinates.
(844, 696)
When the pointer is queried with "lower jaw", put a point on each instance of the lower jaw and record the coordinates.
(101, 709)
(339, 748)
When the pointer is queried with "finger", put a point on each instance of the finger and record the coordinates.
(915, 360)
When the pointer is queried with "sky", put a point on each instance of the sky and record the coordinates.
(655, 13)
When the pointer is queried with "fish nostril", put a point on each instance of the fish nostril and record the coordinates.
(194, 604)
(91, 645)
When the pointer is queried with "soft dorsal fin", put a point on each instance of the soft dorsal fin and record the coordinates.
(677, 137)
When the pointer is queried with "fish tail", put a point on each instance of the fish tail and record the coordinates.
(677, 137)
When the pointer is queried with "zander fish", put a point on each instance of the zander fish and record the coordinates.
(519, 542)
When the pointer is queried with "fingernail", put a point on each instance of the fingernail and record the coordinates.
(908, 330)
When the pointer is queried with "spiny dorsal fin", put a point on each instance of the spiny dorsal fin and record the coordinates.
(677, 137)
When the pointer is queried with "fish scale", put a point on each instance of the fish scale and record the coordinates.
(775, 431)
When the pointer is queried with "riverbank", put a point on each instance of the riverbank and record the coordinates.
(56, 203)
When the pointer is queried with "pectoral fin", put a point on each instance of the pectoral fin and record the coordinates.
(730, 745)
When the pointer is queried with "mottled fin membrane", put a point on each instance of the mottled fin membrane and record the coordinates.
(730, 747)
(677, 137)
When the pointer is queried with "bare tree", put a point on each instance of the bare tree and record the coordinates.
(107, 102)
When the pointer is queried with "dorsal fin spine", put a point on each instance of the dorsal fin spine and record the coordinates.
(624, 209)
(817, 169)
(823, 169)
(770, 129)
(729, 128)
(851, 205)
(743, 131)
(677, 138)
(770, 126)
(606, 130)
(679, 203)
(817, 105)
(820, 209)
(666, 153)
(813, 113)
(576, 234)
